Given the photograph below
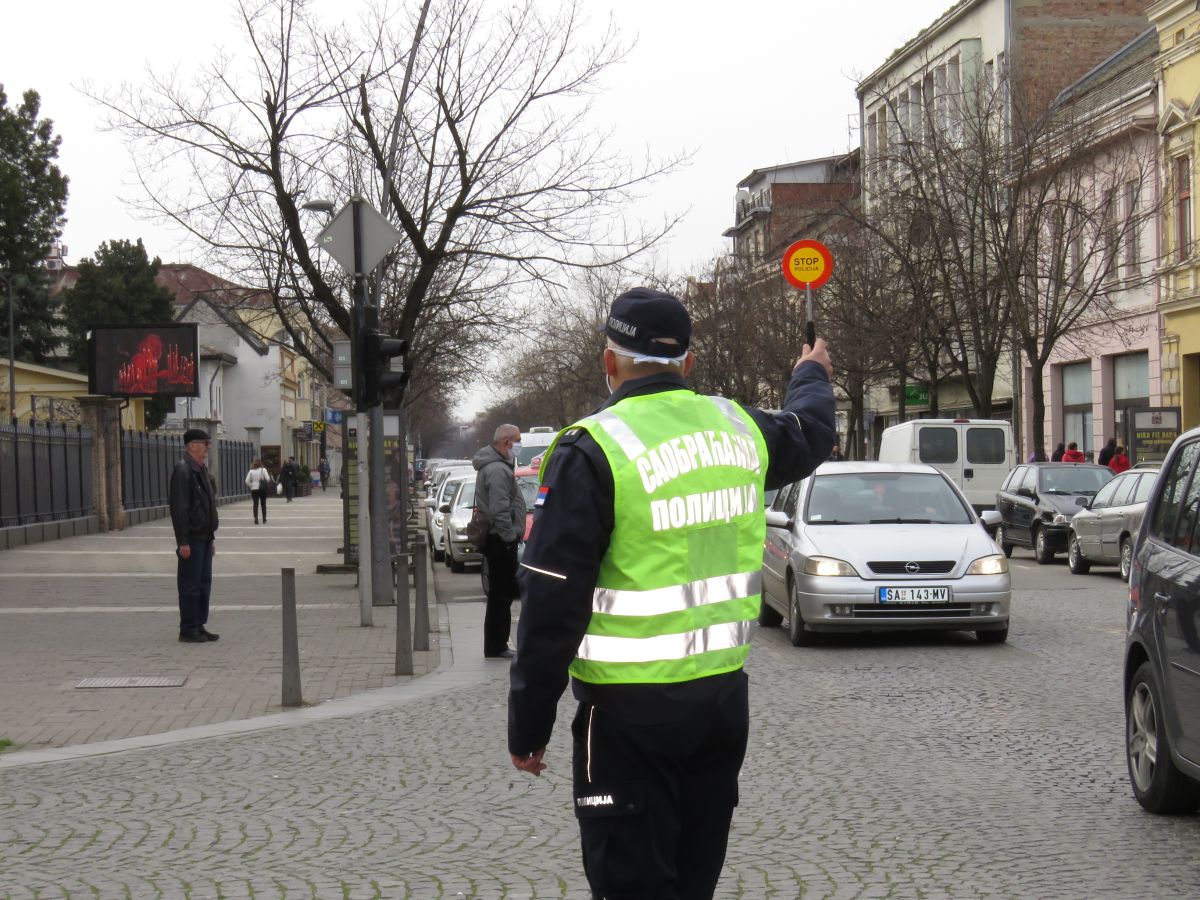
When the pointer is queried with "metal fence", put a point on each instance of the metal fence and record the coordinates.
(235, 459)
(147, 460)
(45, 473)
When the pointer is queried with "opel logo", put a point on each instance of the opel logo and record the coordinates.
(912, 568)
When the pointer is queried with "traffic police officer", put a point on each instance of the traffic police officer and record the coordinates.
(641, 579)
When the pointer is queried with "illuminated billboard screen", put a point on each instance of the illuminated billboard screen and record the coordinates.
(144, 360)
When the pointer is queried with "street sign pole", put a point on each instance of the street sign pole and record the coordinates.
(365, 569)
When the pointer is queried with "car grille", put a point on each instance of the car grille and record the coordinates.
(911, 610)
(897, 567)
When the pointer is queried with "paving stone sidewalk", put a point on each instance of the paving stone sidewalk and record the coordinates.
(105, 605)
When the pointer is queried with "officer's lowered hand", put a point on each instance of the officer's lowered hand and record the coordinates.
(531, 763)
(818, 353)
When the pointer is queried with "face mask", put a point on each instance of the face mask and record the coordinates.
(515, 451)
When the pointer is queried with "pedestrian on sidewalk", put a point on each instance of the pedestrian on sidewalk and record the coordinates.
(497, 494)
(1107, 452)
(193, 505)
(259, 480)
(323, 469)
(288, 476)
(1120, 460)
(1073, 454)
(1059, 452)
(648, 601)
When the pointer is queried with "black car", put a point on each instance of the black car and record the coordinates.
(1037, 502)
(1162, 646)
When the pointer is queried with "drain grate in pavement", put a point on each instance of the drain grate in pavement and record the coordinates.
(133, 681)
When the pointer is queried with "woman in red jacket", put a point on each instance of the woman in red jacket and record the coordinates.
(1120, 461)
(1074, 454)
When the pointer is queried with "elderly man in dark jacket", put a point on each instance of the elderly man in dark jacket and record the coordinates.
(497, 494)
(193, 504)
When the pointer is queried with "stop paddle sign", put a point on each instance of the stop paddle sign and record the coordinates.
(807, 264)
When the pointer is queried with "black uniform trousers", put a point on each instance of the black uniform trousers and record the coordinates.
(654, 800)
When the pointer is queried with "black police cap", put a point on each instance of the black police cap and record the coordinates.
(649, 322)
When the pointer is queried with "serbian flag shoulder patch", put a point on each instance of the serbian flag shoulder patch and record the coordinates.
(542, 494)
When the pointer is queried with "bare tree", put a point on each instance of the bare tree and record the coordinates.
(467, 123)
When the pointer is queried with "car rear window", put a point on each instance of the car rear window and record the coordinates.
(985, 446)
(937, 445)
(884, 497)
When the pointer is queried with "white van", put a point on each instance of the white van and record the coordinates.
(534, 442)
(976, 453)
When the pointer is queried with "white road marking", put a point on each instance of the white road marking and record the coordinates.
(245, 607)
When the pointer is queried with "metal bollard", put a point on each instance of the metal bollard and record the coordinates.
(291, 642)
(421, 586)
(404, 652)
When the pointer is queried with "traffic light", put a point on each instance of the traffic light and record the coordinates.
(377, 373)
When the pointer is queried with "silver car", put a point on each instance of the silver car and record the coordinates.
(435, 519)
(869, 546)
(1103, 532)
(459, 551)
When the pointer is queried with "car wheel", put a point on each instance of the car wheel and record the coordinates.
(1076, 561)
(1041, 547)
(1158, 786)
(457, 567)
(799, 635)
(1126, 558)
(439, 555)
(767, 616)
(993, 635)
(1000, 539)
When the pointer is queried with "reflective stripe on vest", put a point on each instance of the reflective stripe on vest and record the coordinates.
(726, 636)
(677, 598)
(621, 433)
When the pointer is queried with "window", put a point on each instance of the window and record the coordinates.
(1144, 487)
(793, 498)
(1013, 481)
(1183, 205)
(1133, 230)
(1125, 487)
(1162, 525)
(937, 445)
(1077, 404)
(1104, 497)
(1186, 529)
(1131, 384)
(1031, 480)
(985, 446)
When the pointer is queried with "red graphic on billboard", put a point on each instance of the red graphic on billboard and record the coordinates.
(144, 361)
(154, 370)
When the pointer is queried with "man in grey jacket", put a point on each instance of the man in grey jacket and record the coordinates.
(497, 494)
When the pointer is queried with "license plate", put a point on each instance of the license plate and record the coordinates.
(914, 594)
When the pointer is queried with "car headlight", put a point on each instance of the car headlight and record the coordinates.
(1060, 519)
(460, 531)
(828, 566)
(995, 564)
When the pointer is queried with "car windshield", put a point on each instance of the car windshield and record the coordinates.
(529, 451)
(528, 485)
(884, 497)
(466, 497)
(1074, 480)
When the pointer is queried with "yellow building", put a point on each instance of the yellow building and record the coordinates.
(47, 394)
(1178, 24)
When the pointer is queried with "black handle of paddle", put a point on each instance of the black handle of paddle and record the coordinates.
(810, 333)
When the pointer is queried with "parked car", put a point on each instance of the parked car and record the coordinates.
(459, 551)
(1162, 644)
(1038, 500)
(868, 546)
(976, 454)
(435, 519)
(535, 441)
(1103, 531)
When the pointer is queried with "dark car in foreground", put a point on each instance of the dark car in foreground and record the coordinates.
(1037, 502)
(1162, 645)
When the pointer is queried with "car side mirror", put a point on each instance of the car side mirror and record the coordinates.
(777, 519)
(990, 519)
(444, 508)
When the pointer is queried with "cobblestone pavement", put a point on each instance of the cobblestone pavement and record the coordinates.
(105, 605)
(890, 766)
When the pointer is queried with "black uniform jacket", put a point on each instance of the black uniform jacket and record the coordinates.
(570, 536)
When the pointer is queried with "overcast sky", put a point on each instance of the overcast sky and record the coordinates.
(743, 85)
